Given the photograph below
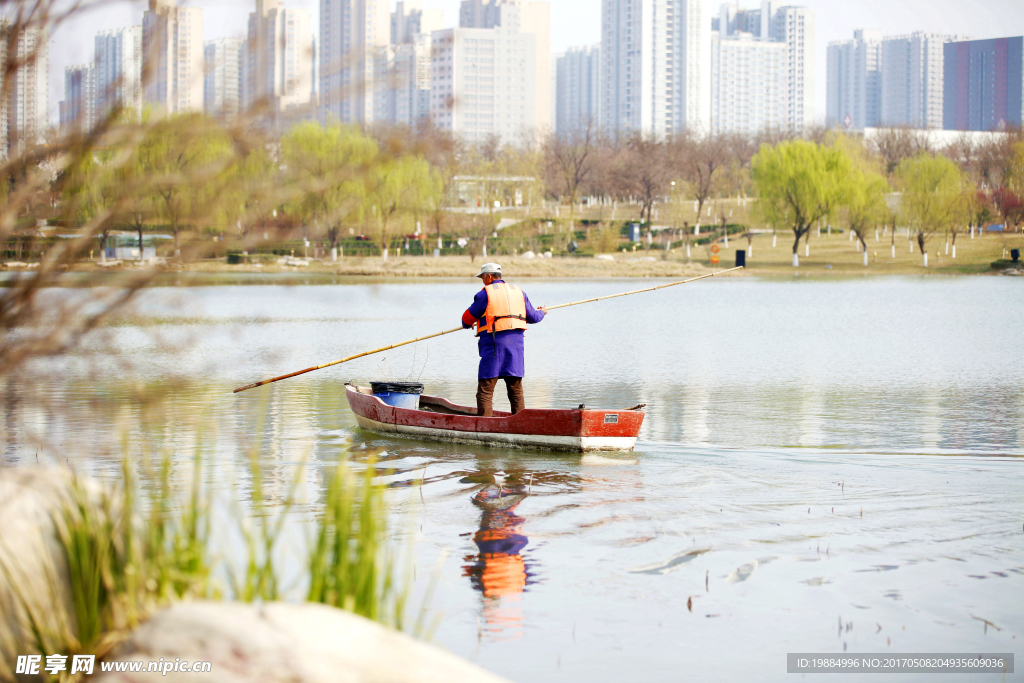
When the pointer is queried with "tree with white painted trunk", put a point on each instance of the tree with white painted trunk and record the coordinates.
(865, 204)
(935, 195)
(799, 183)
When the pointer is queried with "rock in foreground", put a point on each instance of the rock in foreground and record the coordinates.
(285, 643)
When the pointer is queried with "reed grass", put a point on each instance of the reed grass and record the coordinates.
(130, 550)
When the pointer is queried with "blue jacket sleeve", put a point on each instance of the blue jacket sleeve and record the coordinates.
(476, 309)
(532, 314)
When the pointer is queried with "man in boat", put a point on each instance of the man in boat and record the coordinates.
(501, 313)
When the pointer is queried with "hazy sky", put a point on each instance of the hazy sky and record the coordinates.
(577, 22)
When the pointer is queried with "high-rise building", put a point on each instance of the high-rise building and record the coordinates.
(482, 82)
(656, 66)
(351, 31)
(278, 65)
(222, 90)
(24, 117)
(854, 81)
(523, 16)
(402, 69)
(578, 89)
(982, 84)
(402, 74)
(749, 84)
(794, 26)
(76, 109)
(410, 20)
(912, 80)
(118, 70)
(173, 62)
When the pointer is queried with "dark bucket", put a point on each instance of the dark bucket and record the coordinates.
(398, 394)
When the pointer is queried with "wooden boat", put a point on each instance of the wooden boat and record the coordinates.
(438, 419)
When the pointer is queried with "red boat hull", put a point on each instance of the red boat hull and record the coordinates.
(576, 431)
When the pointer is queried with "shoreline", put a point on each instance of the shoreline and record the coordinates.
(829, 256)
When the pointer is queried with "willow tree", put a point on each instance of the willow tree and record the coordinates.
(800, 182)
(935, 195)
(399, 187)
(187, 158)
(866, 191)
(329, 167)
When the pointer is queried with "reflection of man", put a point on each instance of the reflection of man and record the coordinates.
(499, 569)
(501, 313)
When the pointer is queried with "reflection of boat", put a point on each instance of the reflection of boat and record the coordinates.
(440, 420)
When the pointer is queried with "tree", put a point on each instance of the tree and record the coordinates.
(1010, 206)
(398, 187)
(866, 190)
(331, 167)
(252, 194)
(642, 171)
(934, 195)
(800, 182)
(187, 157)
(571, 159)
(91, 192)
(865, 204)
(895, 144)
(700, 160)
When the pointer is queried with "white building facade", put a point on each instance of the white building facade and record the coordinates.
(794, 27)
(222, 90)
(749, 84)
(854, 81)
(173, 60)
(527, 17)
(482, 82)
(656, 70)
(351, 33)
(118, 71)
(912, 80)
(277, 62)
(24, 116)
(578, 89)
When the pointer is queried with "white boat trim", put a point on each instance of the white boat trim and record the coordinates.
(574, 444)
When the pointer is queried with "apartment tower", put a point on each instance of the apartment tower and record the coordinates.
(351, 32)
(118, 70)
(656, 75)
(854, 82)
(173, 61)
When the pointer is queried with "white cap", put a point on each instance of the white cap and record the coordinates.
(489, 269)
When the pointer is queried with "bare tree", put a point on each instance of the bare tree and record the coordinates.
(570, 159)
(642, 171)
(700, 161)
(895, 144)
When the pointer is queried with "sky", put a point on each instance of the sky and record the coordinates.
(577, 22)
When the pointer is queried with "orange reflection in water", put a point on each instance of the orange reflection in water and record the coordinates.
(498, 570)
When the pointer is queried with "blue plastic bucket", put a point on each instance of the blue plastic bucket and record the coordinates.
(398, 394)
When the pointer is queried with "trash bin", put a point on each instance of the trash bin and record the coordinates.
(1015, 255)
(741, 257)
(398, 394)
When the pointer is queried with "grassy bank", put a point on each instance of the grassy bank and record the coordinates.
(834, 255)
(830, 255)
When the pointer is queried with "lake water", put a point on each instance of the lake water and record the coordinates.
(825, 466)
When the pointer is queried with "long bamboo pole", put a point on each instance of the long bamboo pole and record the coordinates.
(456, 329)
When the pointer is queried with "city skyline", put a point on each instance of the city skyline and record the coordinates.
(577, 22)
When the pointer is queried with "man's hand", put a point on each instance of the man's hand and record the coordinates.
(543, 309)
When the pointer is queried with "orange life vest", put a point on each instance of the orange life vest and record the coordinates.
(506, 309)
